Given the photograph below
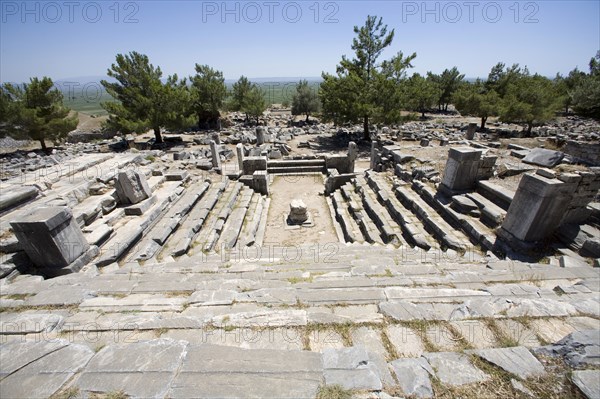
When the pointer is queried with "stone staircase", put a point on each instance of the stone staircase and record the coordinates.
(291, 321)
(296, 166)
(366, 205)
(184, 300)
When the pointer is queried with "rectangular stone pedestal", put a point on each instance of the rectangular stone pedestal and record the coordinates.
(260, 182)
(252, 164)
(461, 169)
(537, 208)
(50, 237)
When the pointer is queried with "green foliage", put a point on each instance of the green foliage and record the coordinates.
(586, 93)
(448, 82)
(35, 110)
(476, 100)
(248, 98)
(500, 78)
(530, 100)
(208, 92)
(255, 103)
(6, 112)
(143, 100)
(565, 87)
(355, 92)
(305, 101)
(421, 94)
(239, 96)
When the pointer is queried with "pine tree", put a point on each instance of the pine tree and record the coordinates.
(305, 101)
(208, 92)
(35, 110)
(354, 93)
(143, 100)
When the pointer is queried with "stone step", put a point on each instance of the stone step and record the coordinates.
(17, 197)
(390, 231)
(295, 169)
(347, 223)
(368, 228)
(213, 225)
(336, 224)
(131, 229)
(233, 226)
(473, 228)
(295, 163)
(70, 183)
(490, 212)
(183, 238)
(153, 243)
(445, 233)
(497, 194)
(247, 234)
(411, 226)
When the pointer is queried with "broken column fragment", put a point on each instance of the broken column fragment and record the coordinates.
(131, 187)
(298, 212)
(50, 237)
(240, 155)
(260, 135)
(215, 157)
(352, 155)
(471, 129)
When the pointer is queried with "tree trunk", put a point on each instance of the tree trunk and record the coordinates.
(367, 135)
(422, 114)
(43, 143)
(158, 136)
(307, 118)
(529, 126)
(483, 120)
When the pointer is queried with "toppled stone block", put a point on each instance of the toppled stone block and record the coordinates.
(131, 187)
(591, 247)
(537, 208)
(9, 198)
(50, 237)
(464, 205)
(544, 157)
(581, 348)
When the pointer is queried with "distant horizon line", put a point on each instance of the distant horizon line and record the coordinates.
(286, 79)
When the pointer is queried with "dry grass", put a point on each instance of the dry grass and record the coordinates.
(69, 393)
(333, 392)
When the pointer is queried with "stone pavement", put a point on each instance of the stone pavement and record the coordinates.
(215, 327)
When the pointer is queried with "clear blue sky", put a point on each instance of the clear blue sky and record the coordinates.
(65, 39)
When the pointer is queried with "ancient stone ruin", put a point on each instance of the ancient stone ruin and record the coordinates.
(281, 261)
